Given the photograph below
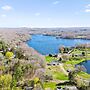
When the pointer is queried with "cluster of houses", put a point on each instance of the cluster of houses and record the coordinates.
(53, 63)
(67, 88)
(60, 57)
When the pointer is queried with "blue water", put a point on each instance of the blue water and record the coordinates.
(86, 65)
(50, 44)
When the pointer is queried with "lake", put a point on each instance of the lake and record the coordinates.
(86, 64)
(50, 44)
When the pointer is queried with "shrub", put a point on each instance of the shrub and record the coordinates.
(1, 56)
(3, 46)
(5, 81)
(18, 73)
(83, 53)
(9, 55)
(19, 54)
(48, 77)
(36, 80)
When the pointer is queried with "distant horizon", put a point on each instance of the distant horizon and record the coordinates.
(43, 27)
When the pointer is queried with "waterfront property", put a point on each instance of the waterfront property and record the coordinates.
(50, 44)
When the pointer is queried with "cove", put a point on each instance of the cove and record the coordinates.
(50, 44)
(86, 64)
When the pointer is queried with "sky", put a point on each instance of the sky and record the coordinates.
(45, 13)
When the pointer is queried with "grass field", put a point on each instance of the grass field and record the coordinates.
(58, 74)
(50, 85)
(50, 59)
(84, 75)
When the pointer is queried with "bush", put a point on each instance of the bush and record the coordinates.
(48, 77)
(5, 81)
(9, 55)
(18, 73)
(19, 54)
(1, 56)
(83, 53)
(36, 80)
(3, 46)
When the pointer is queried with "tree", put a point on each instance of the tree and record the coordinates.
(19, 54)
(72, 76)
(83, 53)
(0, 46)
(9, 55)
(3, 46)
(18, 72)
(38, 84)
(5, 81)
(61, 49)
(13, 83)
(60, 59)
(1, 56)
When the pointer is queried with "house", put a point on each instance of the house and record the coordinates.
(28, 88)
(59, 88)
(70, 88)
(78, 55)
(53, 63)
(67, 88)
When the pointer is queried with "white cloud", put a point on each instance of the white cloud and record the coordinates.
(37, 14)
(56, 2)
(6, 7)
(88, 6)
(3, 15)
(87, 10)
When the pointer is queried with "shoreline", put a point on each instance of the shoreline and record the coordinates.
(58, 37)
(21, 36)
(77, 45)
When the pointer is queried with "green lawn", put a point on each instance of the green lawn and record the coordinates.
(71, 63)
(84, 75)
(76, 51)
(74, 62)
(56, 73)
(59, 76)
(51, 85)
(50, 59)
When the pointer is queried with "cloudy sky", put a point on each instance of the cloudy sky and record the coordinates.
(44, 13)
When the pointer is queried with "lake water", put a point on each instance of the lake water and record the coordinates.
(50, 44)
(86, 65)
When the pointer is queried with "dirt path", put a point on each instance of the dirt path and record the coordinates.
(64, 71)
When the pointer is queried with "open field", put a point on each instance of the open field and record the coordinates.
(57, 71)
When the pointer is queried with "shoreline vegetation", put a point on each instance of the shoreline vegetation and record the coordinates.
(65, 33)
(27, 69)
